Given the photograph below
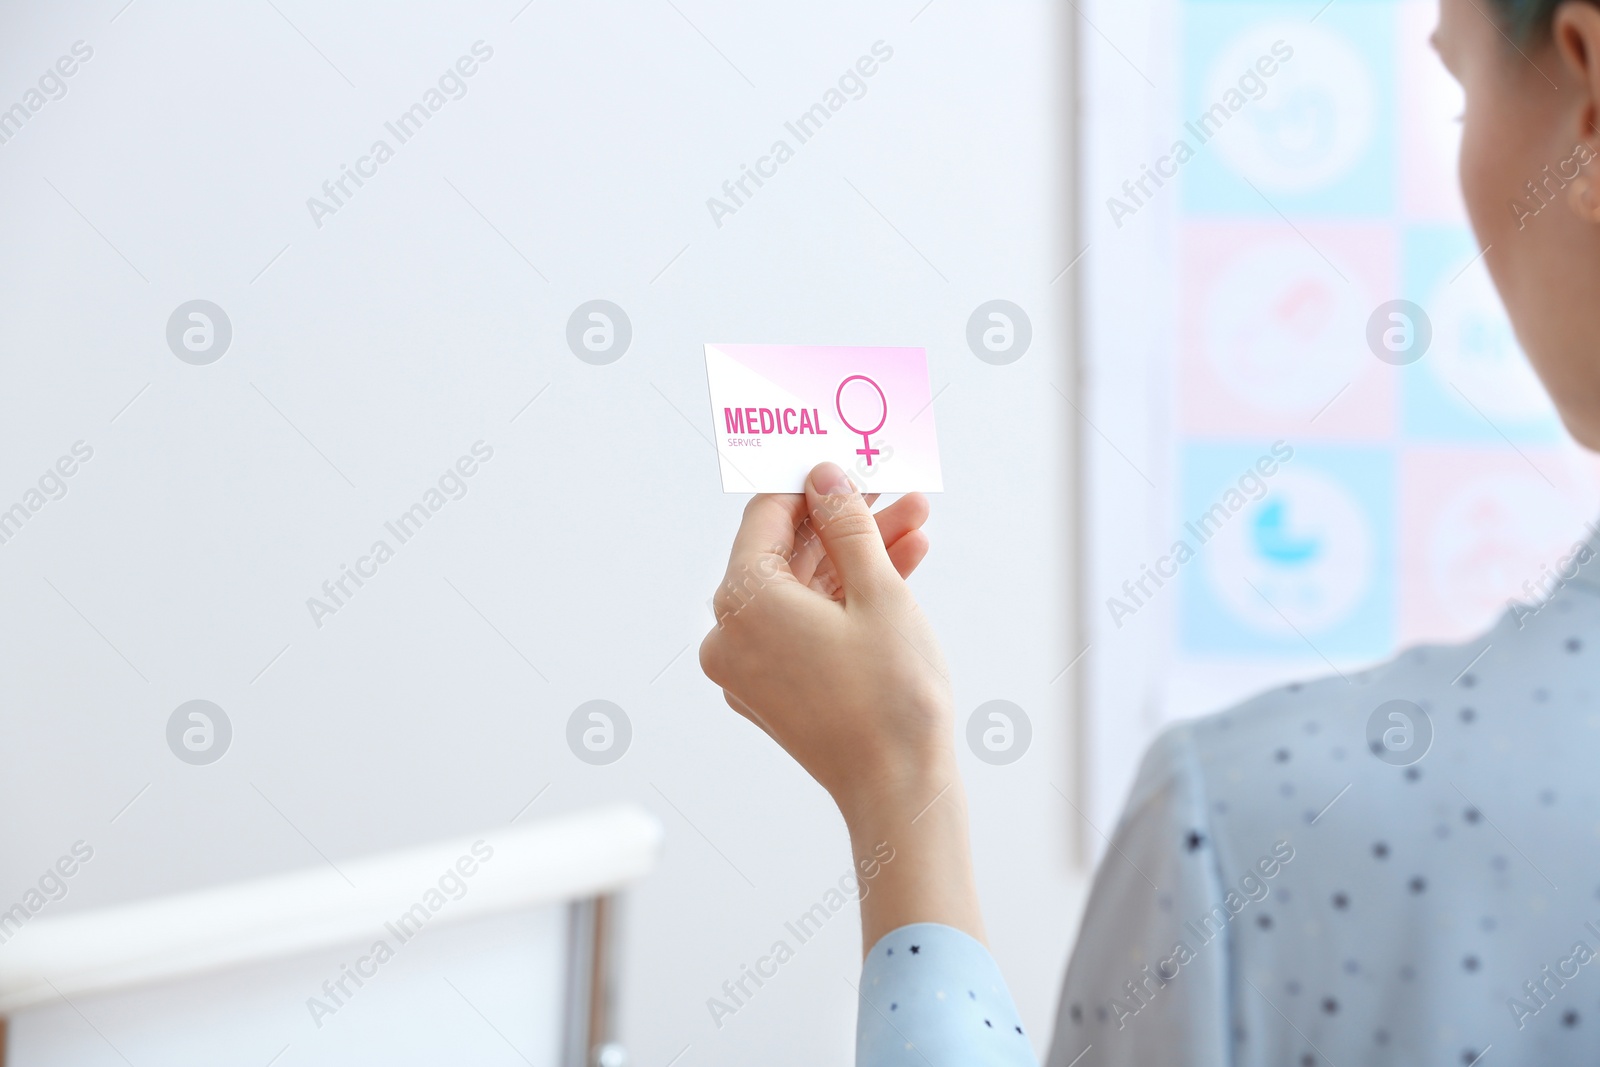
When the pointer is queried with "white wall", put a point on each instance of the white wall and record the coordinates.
(421, 318)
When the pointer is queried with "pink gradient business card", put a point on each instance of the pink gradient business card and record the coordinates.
(779, 410)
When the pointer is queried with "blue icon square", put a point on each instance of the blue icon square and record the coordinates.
(1473, 384)
(1286, 114)
(1291, 557)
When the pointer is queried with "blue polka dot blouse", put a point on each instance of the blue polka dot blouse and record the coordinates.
(1398, 866)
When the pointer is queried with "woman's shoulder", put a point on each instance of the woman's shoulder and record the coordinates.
(1348, 715)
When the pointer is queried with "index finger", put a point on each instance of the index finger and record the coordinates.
(768, 528)
(761, 550)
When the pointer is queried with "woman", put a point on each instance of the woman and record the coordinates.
(1284, 887)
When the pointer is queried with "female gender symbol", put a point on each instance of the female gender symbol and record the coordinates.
(866, 435)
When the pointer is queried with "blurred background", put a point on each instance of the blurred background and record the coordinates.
(1179, 319)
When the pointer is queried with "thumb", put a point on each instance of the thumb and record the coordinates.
(848, 532)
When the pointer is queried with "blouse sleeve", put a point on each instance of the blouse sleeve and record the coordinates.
(931, 996)
(1150, 973)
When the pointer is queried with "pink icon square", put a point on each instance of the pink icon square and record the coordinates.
(1481, 527)
(1273, 331)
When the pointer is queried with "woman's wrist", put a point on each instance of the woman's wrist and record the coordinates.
(909, 837)
(897, 790)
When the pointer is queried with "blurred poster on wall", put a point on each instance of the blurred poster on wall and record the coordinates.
(1350, 453)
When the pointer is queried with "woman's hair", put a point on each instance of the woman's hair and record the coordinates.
(1527, 18)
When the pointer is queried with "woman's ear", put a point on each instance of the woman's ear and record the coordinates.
(1583, 200)
(1575, 35)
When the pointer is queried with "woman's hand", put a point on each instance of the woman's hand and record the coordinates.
(820, 643)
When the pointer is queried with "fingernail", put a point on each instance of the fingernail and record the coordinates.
(830, 480)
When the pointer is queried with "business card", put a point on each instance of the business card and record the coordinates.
(779, 410)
